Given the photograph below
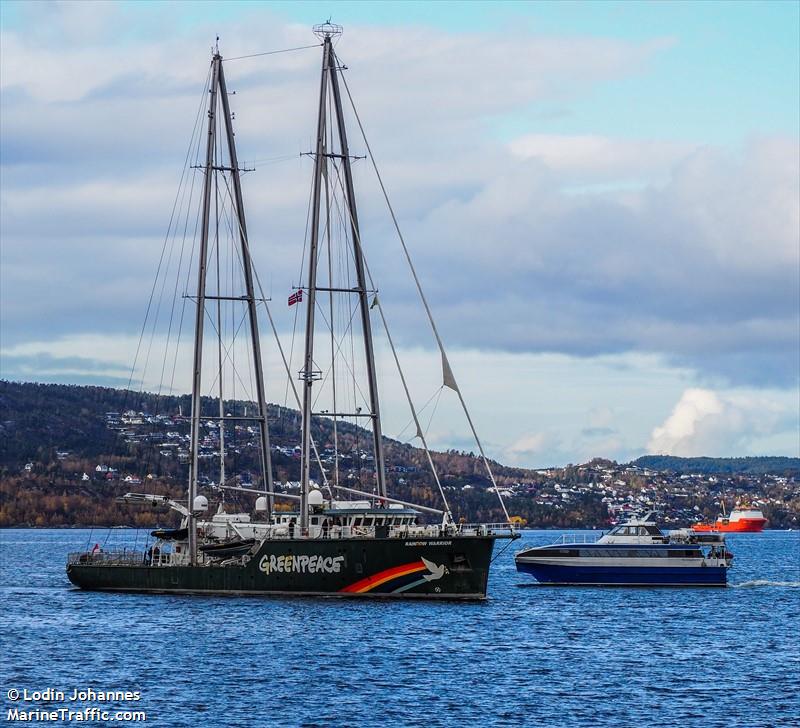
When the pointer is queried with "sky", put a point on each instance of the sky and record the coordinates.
(602, 201)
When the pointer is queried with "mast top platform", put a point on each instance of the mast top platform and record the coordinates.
(327, 30)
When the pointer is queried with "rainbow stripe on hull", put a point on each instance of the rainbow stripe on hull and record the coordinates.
(390, 581)
(456, 567)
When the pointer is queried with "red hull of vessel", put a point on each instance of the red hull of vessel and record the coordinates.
(742, 525)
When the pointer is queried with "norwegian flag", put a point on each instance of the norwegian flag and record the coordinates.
(296, 297)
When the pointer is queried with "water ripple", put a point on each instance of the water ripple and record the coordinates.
(542, 656)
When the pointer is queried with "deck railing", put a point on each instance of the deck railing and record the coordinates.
(578, 538)
(486, 529)
(134, 557)
(123, 557)
(282, 531)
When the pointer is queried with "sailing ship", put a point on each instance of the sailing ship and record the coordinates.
(339, 539)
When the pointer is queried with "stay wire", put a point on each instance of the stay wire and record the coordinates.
(272, 53)
(179, 194)
(300, 280)
(447, 372)
(286, 363)
(166, 237)
(151, 457)
(415, 415)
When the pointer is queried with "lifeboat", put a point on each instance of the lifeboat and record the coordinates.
(742, 519)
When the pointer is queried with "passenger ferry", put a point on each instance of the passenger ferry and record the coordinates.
(635, 553)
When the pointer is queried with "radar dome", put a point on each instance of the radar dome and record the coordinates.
(315, 497)
(261, 504)
(200, 503)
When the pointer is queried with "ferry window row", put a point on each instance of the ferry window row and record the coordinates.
(627, 553)
(636, 531)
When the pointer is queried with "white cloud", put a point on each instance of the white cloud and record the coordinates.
(701, 268)
(530, 446)
(682, 267)
(705, 422)
(588, 158)
(560, 303)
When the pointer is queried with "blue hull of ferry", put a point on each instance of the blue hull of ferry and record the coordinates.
(627, 575)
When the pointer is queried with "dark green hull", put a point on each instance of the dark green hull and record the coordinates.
(442, 568)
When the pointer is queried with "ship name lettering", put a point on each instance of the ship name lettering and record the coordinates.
(303, 564)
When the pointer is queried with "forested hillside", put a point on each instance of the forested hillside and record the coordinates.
(86, 445)
(711, 466)
(68, 452)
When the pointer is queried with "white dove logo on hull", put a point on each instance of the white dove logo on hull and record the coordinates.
(437, 572)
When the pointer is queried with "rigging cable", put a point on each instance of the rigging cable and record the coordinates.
(331, 314)
(263, 300)
(338, 348)
(447, 372)
(166, 237)
(420, 434)
(179, 195)
(189, 264)
(231, 352)
(272, 53)
(297, 311)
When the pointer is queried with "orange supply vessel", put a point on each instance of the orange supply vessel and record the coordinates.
(743, 519)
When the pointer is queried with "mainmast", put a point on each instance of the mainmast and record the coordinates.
(308, 374)
(218, 94)
(361, 280)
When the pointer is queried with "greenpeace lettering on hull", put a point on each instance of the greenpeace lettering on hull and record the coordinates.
(289, 563)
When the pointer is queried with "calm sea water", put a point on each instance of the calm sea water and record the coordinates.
(530, 655)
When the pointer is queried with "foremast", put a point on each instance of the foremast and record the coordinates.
(218, 95)
(308, 374)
